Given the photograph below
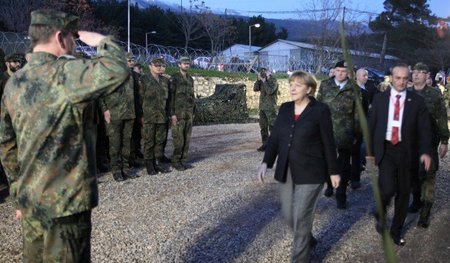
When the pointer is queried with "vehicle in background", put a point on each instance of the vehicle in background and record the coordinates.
(375, 75)
(201, 62)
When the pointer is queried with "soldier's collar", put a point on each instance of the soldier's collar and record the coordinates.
(38, 58)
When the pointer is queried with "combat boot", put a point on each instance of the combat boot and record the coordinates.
(416, 203)
(129, 175)
(150, 167)
(118, 176)
(178, 166)
(160, 167)
(424, 219)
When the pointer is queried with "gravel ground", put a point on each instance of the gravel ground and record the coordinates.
(218, 212)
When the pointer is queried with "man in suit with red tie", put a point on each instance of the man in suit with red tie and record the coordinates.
(401, 130)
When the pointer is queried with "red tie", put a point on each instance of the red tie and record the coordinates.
(394, 138)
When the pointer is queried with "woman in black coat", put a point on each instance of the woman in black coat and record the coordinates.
(302, 138)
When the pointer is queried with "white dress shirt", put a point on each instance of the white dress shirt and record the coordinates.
(391, 122)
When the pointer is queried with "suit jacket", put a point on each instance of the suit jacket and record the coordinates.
(415, 130)
(306, 146)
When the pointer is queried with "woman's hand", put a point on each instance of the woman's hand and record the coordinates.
(335, 179)
(262, 172)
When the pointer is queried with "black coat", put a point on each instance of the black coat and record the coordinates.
(306, 146)
(415, 131)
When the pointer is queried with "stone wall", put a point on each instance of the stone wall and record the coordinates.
(205, 87)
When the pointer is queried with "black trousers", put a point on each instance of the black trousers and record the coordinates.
(394, 181)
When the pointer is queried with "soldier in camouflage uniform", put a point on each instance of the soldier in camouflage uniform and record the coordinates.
(182, 114)
(12, 65)
(119, 113)
(268, 87)
(338, 93)
(423, 182)
(43, 140)
(154, 89)
(135, 151)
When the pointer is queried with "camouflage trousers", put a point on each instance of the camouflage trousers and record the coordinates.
(154, 137)
(119, 134)
(136, 139)
(181, 134)
(65, 239)
(266, 121)
(423, 182)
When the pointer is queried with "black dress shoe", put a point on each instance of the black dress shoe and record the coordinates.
(328, 192)
(399, 241)
(312, 241)
(341, 201)
(341, 205)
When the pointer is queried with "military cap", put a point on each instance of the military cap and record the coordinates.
(158, 61)
(185, 59)
(56, 19)
(341, 64)
(421, 67)
(130, 56)
(12, 57)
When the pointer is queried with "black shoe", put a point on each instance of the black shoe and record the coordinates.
(129, 175)
(262, 148)
(399, 241)
(355, 185)
(160, 167)
(150, 167)
(118, 176)
(178, 167)
(164, 159)
(103, 167)
(414, 207)
(328, 192)
(187, 165)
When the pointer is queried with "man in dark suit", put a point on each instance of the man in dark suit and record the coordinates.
(401, 133)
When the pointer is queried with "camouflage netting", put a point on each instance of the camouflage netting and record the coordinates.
(228, 104)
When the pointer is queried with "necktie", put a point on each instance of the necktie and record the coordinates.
(394, 137)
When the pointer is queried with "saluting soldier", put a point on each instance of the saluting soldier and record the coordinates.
(267, 86)
(154, 89)
(423, 182)
(338, 93)
(182, 113)
(43, 142)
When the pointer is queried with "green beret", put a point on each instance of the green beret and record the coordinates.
(12, 57)
(56, 19)
(185, 59)
(421, 67)
(158, 61)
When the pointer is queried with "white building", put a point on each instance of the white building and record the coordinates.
(244, 52)
(284, 55)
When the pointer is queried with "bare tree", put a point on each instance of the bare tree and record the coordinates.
(189, 23)
(217, 29)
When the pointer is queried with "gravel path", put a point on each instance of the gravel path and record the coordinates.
(218, 212)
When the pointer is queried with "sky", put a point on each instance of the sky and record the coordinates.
(440, 8)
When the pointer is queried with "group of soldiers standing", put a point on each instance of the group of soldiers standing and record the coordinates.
(145, 107)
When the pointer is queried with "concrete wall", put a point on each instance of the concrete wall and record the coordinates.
(204, 87)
